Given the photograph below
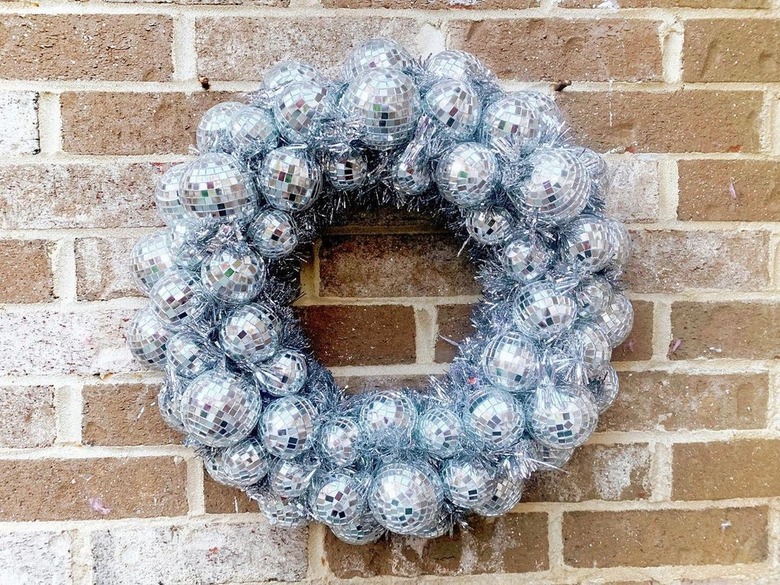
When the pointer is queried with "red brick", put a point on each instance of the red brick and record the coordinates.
(741, 330)
(360, 384)
(124, 414)
(82, 489)
(661, 401)
(639, 344)
(555, 50)
(102, 269)
(743, 4)
(737, 49)
(515, 543)
(665, 537)
(454, 324)
(25, 271)
(679, 121)
(673, 261)
(87, 46)
(343, 335)
(221, 499)
(729, 190)
(432, 4)
(133, 123)
(27, 413)
(717, 471)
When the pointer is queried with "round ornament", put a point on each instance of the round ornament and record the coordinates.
(564, 420)
(273, 234)
(213, 126)
(494, 419)
(215, 186)
(166, 195)
(406, 498)
(290, 179)
(288, 426)
(250, 334)
(440, 432)
(455, 106)
(510, 362)
(150, 259)
(468, 483)
(375, 54)
(467, 174)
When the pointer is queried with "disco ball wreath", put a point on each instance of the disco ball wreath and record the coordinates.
(440, 137)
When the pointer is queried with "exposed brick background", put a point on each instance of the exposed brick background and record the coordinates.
(679, 486)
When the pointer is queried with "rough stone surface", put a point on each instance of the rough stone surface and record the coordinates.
(81, 489)
(27, 413)
(556, 50)
(25, 266)
(103, 269)
(634, 191)
(32, 558)
(199, 553)
(18, 122)
(639, 344)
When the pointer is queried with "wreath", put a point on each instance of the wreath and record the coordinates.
(439, 137)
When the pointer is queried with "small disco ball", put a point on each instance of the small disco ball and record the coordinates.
(362, 530)
(440, 432)
(233, 275)
(150, 259)
(489, 225)
(542, 312)
(284, 73)
(347, 169)
(616, 319)
(511, 124)
(605, 389)
(506, 494)
(190, 355)
(252, 131)
(147, 338)
(406, 498)
(565, 420)
(250, 334)
(468, 483)
(245, 463)
(215, 186)
(510, 361)
(388, 416)
(455, 106)
(291, 478)
(288, 427)
(178, 299)
(337, 500)
(453, 64)
(593, 296)
(273, 234)
(591, 345)
(526, 261)
(587, 243)
(299, 108)
(467, 174)
(166, 195)
(213, 126)
(290, 179)
(340, 441)
(493, 418)
(284, 374)
(281, 511)
(377, 53)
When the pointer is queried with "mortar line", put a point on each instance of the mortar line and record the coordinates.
(184, 53)
(424, 334)
(668, 191)
(662, 330)
(68, 408)
(672, 39)
(82, 560)
(49, 123)
(555, 539)
(196, 498)
(63, 262)
(766, 132)
(662, 472)
(317, 560)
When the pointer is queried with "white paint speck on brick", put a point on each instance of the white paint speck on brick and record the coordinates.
(35, 558)
(18, 122)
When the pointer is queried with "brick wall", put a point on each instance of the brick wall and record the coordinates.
(681, 483)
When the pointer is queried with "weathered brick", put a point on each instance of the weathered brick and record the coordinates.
(242, 48)
(404, 265)
(771, 578)
(102, 269)
(665, 537)
(596, 472)
(87, 46)
(279, 3)
(36, 557)
(133, 123)
(680, 121)
(79, 195)
(79, 489)
(90, 343)
(368, 219)
(433, 4)
(515, 543)
(555, 49)
(743, 4)
(343, 335)
(729, 190)
(639, 344)
(27, 413)
(25, 271)
(726, 330)
(735, 49)
(673, 261)
(124, 414)
(634, 191)
(653, 401)
(716, 471)
(360, 384)
(210, 552)
(222, 499)
(19, 122)
(454, 324)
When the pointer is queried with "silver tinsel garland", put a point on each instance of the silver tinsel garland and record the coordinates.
(439, 137)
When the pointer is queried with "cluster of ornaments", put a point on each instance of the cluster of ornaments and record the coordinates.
(525, 390)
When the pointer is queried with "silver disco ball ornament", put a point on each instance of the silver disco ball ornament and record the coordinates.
(543, 312)
(621, 243)
(557, 189)
(280, 511)
(605, 389)
(169, 406)
(290, 179)
(191, 355)
(565, 420)
(347, 169)
(147, 337)
(291, 478)
(549, 459)
(616, 319)
(273, 234)
(412, 175)
(340, 441)
(284, 73)
(554, 128)
(233, 275)
(455, 106)
(510, 362)
(385, 105)
(526, 261)
(212, 128)
(299, 108)
(597, 169)
(190, 239)
(377, 53)
(467, 174)
(439, 432)
(214, 186)
(250, 334)
(489, 225)
(405, 497)
(220, 409)
(590, 344)
(252, 131)
(166, 195)
(586, 243)
(388, 416)
(178, 300)
(362, 530)
(150, 259)
(337, 500)
(493, 418)
(506, 494)
(245, 464)
(511, 124)
(453, 64)
(288, 426)
(593, 296)
(283, 374)
(468, 482)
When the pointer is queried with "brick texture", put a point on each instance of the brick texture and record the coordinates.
(221, 499)
(28, 415)
(639, 343)
(102, 269)
(671, 3)
(37, 557)
(19, 122)
(454, 325)
(431, 4)
(634, 191)
(34, 282)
